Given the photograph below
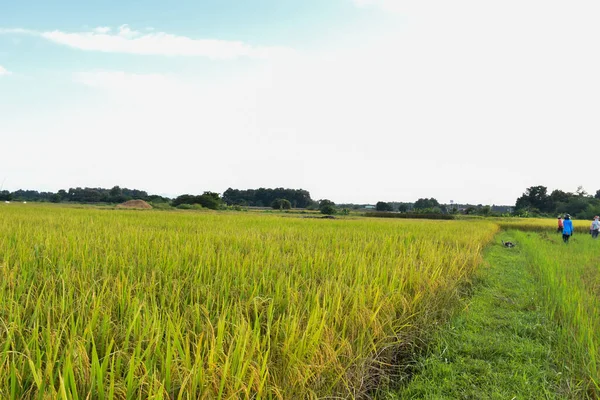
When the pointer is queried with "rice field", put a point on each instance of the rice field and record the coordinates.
(115, 304)
(540, 224)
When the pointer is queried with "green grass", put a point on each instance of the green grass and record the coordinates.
(569, 281)
(500, 346)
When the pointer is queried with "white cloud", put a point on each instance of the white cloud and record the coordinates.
(102, 29)
(18, 31)
(118, 79)
(129, 41)
(4, 71)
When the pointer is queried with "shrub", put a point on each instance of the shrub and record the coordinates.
(190, 207)
(327, 207)
(161, 206)
(281, 204)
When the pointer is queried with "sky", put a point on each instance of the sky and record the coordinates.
(353, 100)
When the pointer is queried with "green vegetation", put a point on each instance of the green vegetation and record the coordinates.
(327, 207)
(281, 204)
(383, 206)
(569, 281)
(117, 304)
(537, 201)
(83, 195)
(104, 304)
(263, 197)
(531, 328)
(501, 346)
(427, 205)
(209, 200)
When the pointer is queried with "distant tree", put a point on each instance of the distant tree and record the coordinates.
(383, 206)
(485, 211)
(5, 195)
(116, 195)
(183, 199)
(281, 204)
(579, 204)
(470, 210)
(558, 196)
(535, 197)
(327, 207)
(402, 207)
(210, 200)
(425, 203)
(64, 196)
(115, 191)
(155, 199)
(80, 195)
(581, 191)
(261, 197)
(575, 206)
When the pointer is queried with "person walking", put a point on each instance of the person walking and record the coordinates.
(560, 225)
(567, 228)
(595, 227)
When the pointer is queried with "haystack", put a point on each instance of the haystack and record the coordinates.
(139, 204)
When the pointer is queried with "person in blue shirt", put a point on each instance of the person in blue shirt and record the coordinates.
(567, 228)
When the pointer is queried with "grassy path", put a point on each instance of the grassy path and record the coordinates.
(499, 346)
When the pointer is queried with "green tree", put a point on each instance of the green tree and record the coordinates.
(485, 211)
(425, 203)
(535, 198)
(5, 195)
(210, 200)
(558, 196)
(470, 210)
(383, 206)
(581, 191)
(281, 204)
(327, 207)
(115, 191)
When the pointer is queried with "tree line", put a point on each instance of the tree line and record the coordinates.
(114, 195)
(278, 198)
(536, 201)
(262, 197)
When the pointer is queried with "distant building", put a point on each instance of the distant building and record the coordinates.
(369, 207)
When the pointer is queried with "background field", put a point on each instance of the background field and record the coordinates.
(129, 304)
(547, 225)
